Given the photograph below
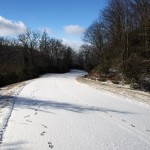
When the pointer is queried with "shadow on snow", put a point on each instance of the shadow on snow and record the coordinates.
(47, 105)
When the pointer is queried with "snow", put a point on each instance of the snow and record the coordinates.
(119, 90)
(7, 99)
(57, 112)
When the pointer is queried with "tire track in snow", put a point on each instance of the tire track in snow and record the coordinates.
(121, 123)
(129, 127)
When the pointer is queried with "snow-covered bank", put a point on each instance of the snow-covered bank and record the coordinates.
(123, 91)
(57, 112)
(7, 99)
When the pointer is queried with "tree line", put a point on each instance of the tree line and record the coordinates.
(119, 40)
(30, 55)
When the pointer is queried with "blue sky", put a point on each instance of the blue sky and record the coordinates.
(63, 19)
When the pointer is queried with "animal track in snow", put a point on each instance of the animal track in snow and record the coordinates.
(27, 116)
(109, 115)
(29, 120)
(34, 103)
(133, 125)
(123, 120)
(148, 130)
(50, 145)
(43, 125)
(35, 113)
(43, 133)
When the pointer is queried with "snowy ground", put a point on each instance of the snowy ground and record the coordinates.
(7, 99)
(57, 112)
(120, 90)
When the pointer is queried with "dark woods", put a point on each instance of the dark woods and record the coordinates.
(119, 40)
(30, 55)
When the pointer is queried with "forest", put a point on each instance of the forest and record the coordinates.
(31, 55)
(117, 42)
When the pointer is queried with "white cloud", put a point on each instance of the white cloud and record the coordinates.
(74, 44)
(11, 28)
(73, 29)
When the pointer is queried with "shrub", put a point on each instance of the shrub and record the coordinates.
(115, 82)
(102, 79)
(104, 68)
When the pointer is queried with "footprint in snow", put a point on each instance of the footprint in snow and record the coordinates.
(35, 113)
(148, 130)
(27, 116)
(43, 125)
(34, 103)
(29, 120)
(132, 125)
(50, 145)
(109, 115)
(123, 120)
(43, 133)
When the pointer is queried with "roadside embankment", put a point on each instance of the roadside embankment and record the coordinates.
(117, 89)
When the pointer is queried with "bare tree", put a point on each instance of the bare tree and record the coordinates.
(30, 39)
(94, 36)
(44, 42)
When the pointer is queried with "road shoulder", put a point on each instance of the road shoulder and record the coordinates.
(7, 100)
(119, 90)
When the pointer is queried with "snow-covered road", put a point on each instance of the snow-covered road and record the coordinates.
(56, 112)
